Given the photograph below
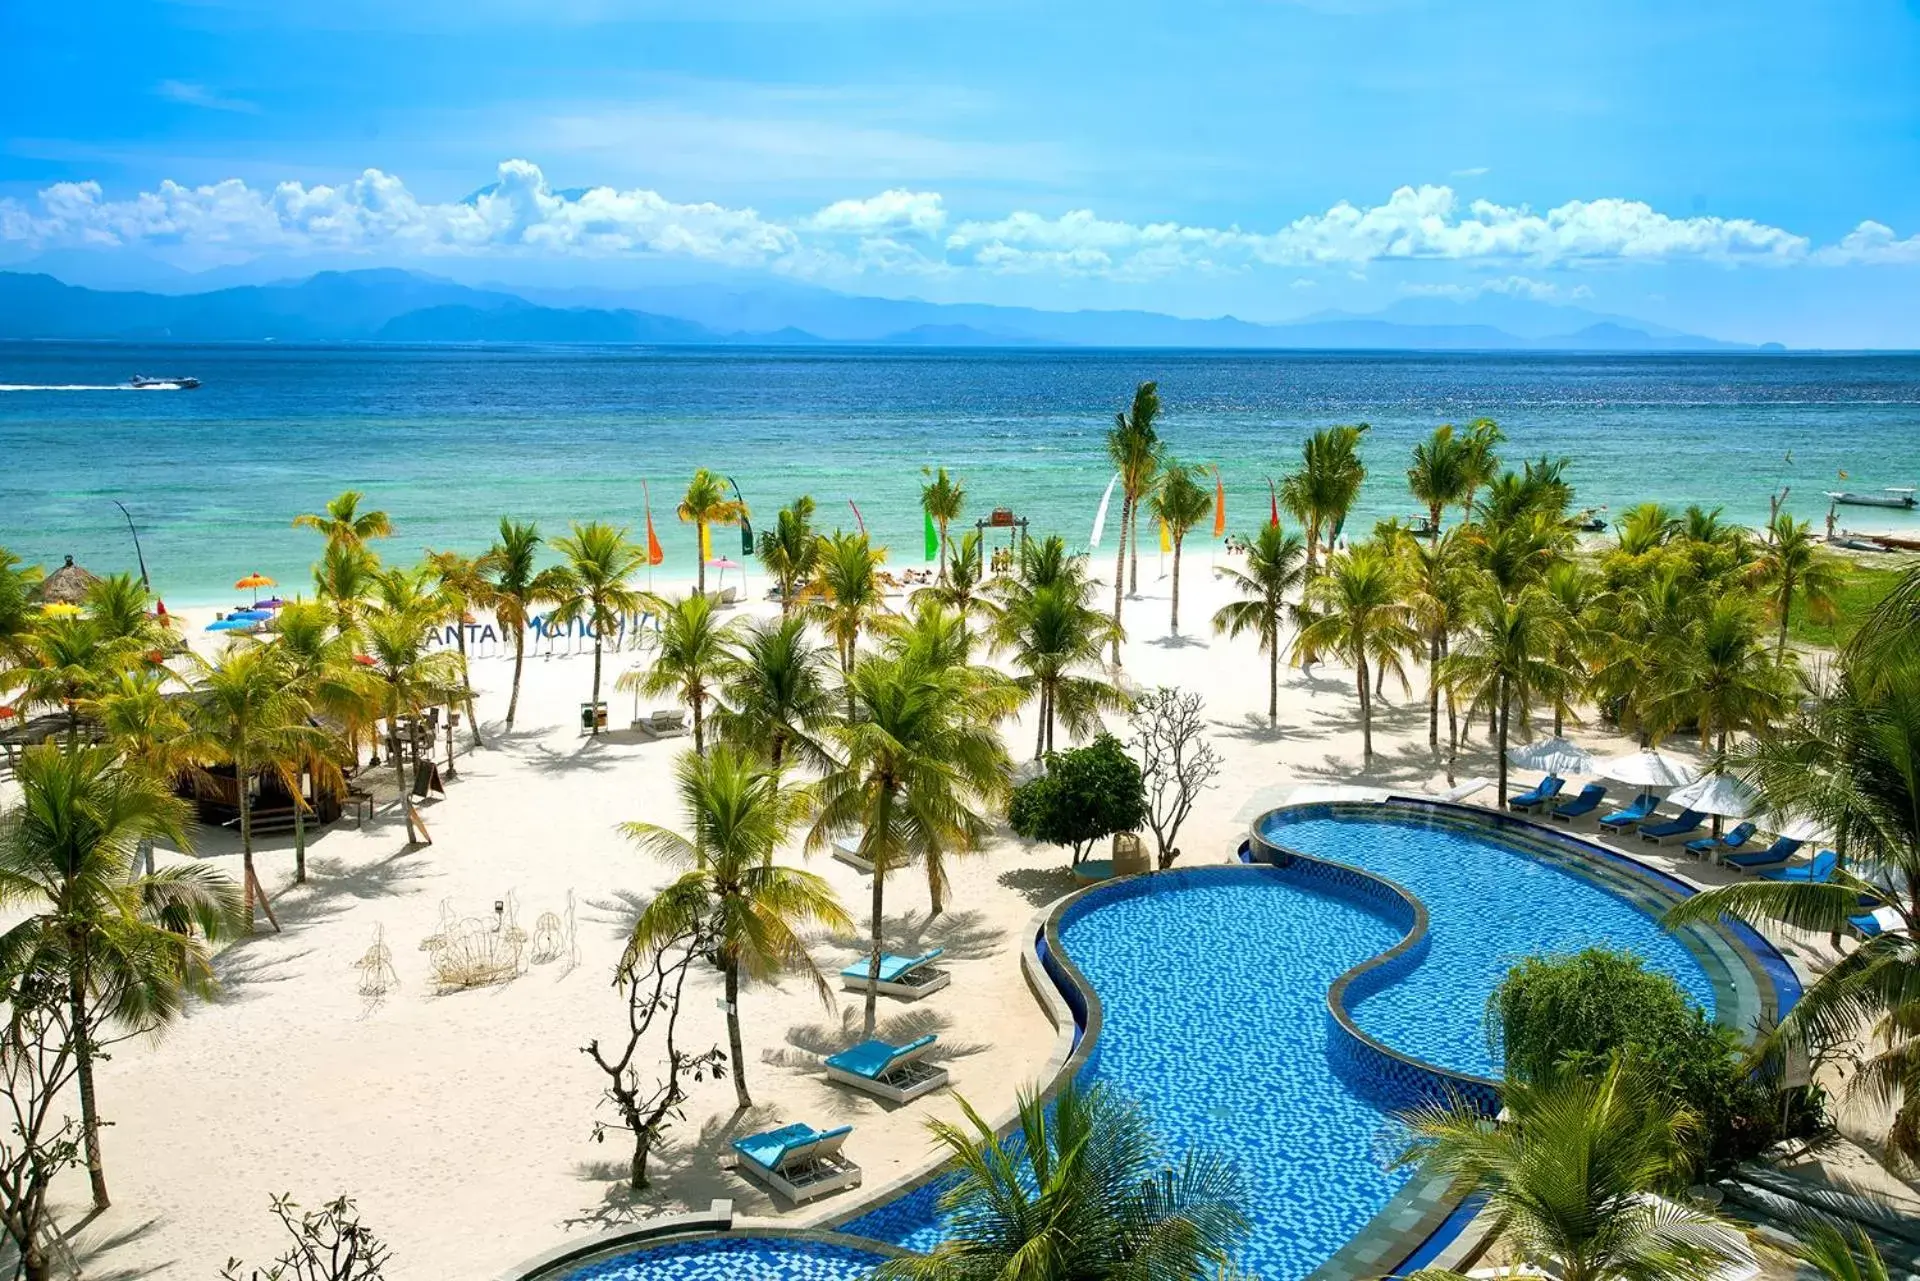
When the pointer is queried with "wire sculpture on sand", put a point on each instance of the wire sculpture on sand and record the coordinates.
(468, 951)
(377, 975)
(553, 938)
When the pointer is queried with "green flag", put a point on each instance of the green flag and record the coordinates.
(933, 538)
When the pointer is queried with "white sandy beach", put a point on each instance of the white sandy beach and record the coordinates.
(463, 1123)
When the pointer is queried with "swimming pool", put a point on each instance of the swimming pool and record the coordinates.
(1204, 993)
(746, 1257)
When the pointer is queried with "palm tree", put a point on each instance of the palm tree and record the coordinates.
(1082, 1190)
(962, 588)
(17, 615)
(1849, 763)
(774, 694)
(517, 587)
(148, 730)
(1181, 502)
(791, 550)
(1442, 468)
(592, 586)
(706, 504)
(1356, 612)
(691, 656)
(123, 940)
(121, 610)
(845, 596)
(467, 584)
(1480, 445)
(1725, 679)
(916, 766)
(344, 524)
(321, 667)
(1133, 446)
(942, 499)
(1577, 592)
(408, 679)
(1571, 1174)
(69, 663)
(1792, 565)
(1275, 571)
(739, 810)
(248, 712)
(344, 578)
(1644, 529)
(1324, 489)
(1505, 663)
(1436, 577)
(1055, 636)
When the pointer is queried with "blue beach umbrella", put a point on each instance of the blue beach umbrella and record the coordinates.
(229, 624)
(251, 615)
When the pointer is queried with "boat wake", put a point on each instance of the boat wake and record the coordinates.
(83, 387)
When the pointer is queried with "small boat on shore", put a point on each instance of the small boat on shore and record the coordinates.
(143, 382)
(1892, 496)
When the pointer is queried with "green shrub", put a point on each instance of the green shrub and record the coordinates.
(1086, 794)
(1585, 1008)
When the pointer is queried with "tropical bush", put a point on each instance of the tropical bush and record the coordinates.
(1553, 1013)
(1086, 794)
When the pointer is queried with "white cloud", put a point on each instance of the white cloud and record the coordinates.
(1478, 171)
(1872, 242)
(198, 95)
(901, 231)
(921, 212)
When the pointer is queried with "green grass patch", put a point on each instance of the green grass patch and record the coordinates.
(1863, 587)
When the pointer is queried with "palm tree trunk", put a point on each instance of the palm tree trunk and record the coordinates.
(400, 772)
(873, 957)
(300, 831)
(594, 720)
(83, 1069)
(240, 773)
(1273, 681)
(1176, 585)
(1786, 606)
(1040, 725)
(1133, 548)
(519, 660)
(699, 701)
(1119, 575)
(943, 551)
(1500, 741)
(700, 553)
(473, 721)
(1366, 710)
(1453, 739)
(1433, 522)
(741, 1098)
(1433, 693)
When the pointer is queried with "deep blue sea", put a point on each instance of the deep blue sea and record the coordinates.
(449, 439)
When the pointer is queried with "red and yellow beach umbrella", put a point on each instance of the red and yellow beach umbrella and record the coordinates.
(255, 581)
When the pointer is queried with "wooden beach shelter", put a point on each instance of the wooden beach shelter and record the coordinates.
(66, 585)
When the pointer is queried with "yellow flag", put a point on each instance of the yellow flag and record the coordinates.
(1166, 539)
(706, 542)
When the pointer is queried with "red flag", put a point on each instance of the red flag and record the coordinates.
(1273, 496)
(1219, 504)
(655, 554)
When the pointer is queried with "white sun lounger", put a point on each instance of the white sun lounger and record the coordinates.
(798, 1161)
(893, 1072)
(668, 722)
(907, 977)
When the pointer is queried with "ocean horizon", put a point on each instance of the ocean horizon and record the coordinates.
(449, 439)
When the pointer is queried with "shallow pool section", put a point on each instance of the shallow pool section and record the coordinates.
(1212, 986)
(1491, 899)
(735, 1258)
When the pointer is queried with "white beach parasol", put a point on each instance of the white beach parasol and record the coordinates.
(1646, 768)
(1552, 756)
(1720, 794)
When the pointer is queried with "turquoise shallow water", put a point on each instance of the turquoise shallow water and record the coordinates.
(1488, 906)
(449, 439)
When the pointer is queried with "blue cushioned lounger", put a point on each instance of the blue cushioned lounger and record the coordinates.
(1544, 792)
(1686, 825)
(1620, 820)
(1710, 846)
(911, 977)
(894, 1072)
(798, 1161)
(1580, 806)
(1775, 855)
(1817, 871)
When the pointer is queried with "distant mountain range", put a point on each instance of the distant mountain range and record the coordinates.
(391, 305)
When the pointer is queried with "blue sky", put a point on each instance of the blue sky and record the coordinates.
(1750, 170)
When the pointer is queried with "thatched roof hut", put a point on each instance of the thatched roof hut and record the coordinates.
(66, 585)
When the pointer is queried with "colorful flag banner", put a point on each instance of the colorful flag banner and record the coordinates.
(655, 553)
(1166, 538)
(1273, 497)
(933, 538)
(857, 519)
(1219, 505)
(706, 543)
(1100, 517)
